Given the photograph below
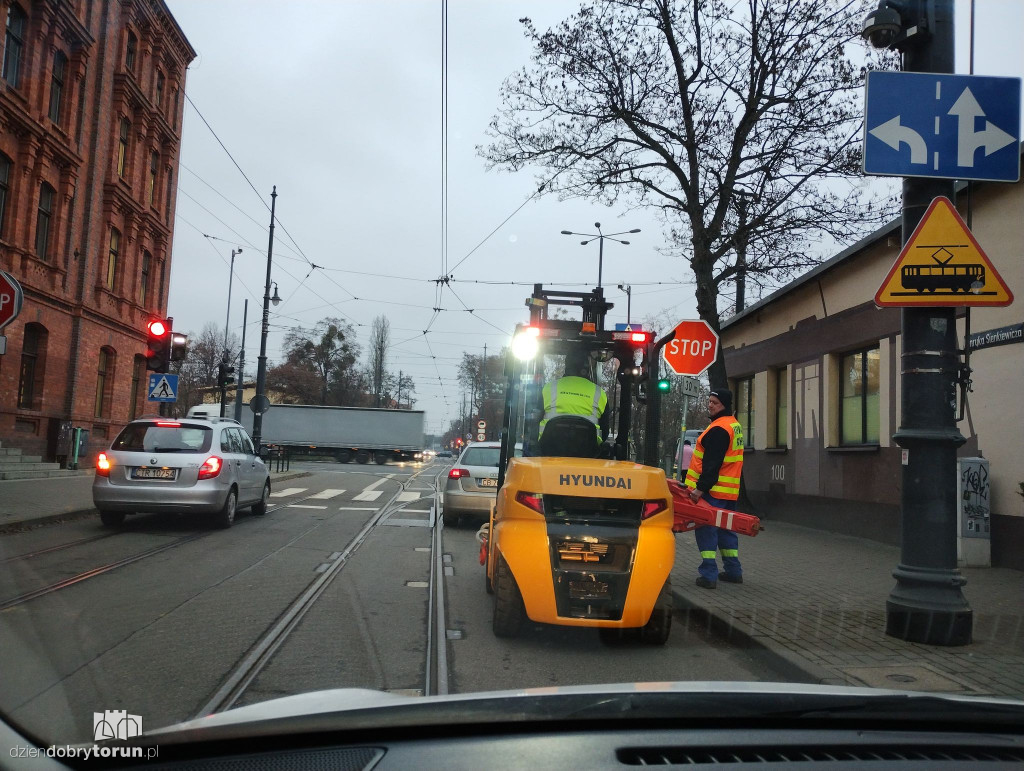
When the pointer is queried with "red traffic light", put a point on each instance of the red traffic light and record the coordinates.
(157, 328)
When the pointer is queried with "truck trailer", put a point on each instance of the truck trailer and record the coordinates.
(344, 433)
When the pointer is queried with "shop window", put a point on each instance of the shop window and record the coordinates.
(859, 397)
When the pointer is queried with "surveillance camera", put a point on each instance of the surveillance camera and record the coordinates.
(881, 27)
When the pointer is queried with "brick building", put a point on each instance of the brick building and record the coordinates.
(91, 106)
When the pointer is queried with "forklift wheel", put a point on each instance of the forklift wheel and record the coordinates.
(508, 601)
(656, 630)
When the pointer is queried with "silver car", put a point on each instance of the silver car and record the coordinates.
(194, 464)
(472, 485)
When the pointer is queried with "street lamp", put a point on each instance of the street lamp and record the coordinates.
(599, 236)
(629, 299)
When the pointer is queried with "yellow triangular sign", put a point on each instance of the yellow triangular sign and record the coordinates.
(942, 264)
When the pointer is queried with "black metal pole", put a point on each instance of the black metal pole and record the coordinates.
(261, 367)
(927, 604)
(240, 385)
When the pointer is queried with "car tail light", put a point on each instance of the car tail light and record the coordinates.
(455, 473)
(531, 501)
(653, 507)
(102, 465)
(211, 467)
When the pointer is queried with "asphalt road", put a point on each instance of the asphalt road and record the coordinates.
(161, 634)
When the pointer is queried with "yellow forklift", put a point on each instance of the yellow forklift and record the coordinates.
(581, 532)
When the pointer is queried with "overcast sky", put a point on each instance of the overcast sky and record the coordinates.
(338, 104)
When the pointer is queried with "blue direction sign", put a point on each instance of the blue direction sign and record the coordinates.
(162, 388)
(949, 126)
(634, 327)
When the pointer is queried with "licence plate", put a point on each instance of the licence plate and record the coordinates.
(152, 473)
(488, 482)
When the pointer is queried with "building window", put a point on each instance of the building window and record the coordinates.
(161, 297)
(781, 408)
(147, 260)
(859, 398)
(43, 217)
(160, 90)
(104, 382)
(112, 255)
(14, 43)
(170, 194)
(60, 62)
(138, 374)
(122, 147)
(33, 357)
(745, 410)
(129, 56)
(5, 176)
(154, 163)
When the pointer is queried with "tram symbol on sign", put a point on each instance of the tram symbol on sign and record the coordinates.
(942, 275)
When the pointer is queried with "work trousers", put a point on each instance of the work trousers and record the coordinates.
(711, 539)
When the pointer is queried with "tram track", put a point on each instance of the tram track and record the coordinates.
(260, 654)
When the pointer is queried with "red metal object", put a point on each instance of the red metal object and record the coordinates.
(483, 552)
(11, 298)
(690, 515)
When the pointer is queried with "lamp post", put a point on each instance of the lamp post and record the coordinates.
(600, 237)
(629, 299)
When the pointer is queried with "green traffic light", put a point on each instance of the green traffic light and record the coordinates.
(664, 384)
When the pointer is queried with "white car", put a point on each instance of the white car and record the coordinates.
(473, 482)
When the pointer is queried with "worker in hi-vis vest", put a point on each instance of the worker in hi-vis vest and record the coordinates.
(714, 475)
(576, 393)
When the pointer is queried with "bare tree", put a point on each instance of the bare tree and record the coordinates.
(198, 370)
(318, 363)
(380, 340)
(738, 122)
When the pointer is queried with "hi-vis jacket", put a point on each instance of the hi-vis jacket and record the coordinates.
(727, 486)
(574, 396)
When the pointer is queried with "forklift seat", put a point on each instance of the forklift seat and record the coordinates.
(569, 436)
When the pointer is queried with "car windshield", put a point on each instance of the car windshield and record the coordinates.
(349, 350)
(481, 456)
(152, 437)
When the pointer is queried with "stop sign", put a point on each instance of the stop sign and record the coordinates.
(692, 349)
(10, 298)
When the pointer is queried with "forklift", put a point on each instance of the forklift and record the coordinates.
(581, 533)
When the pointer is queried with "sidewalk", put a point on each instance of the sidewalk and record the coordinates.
(815, 603)
(31, 502)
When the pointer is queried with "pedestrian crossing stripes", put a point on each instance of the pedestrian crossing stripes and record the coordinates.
(324, 495)
(368, 495)
(288, 491)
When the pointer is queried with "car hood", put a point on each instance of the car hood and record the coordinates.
(362, 709)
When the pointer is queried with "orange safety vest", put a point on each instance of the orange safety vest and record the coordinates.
(727, 486)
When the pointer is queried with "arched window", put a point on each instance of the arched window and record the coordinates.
(60, 63)
(47, 196)
(105, 381)
(138, 376)
(14, 44)
(33, 366)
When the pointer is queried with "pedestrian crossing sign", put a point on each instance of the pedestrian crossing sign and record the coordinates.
(942, 265)
(162, 388)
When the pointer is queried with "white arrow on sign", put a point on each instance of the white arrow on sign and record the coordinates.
(992, 138)
(893, 134)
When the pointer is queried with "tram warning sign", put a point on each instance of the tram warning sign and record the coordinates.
(942, 265)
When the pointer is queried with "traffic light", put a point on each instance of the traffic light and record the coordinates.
(225, 375)
(158, 345)
(664, 385)
(179, 346)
